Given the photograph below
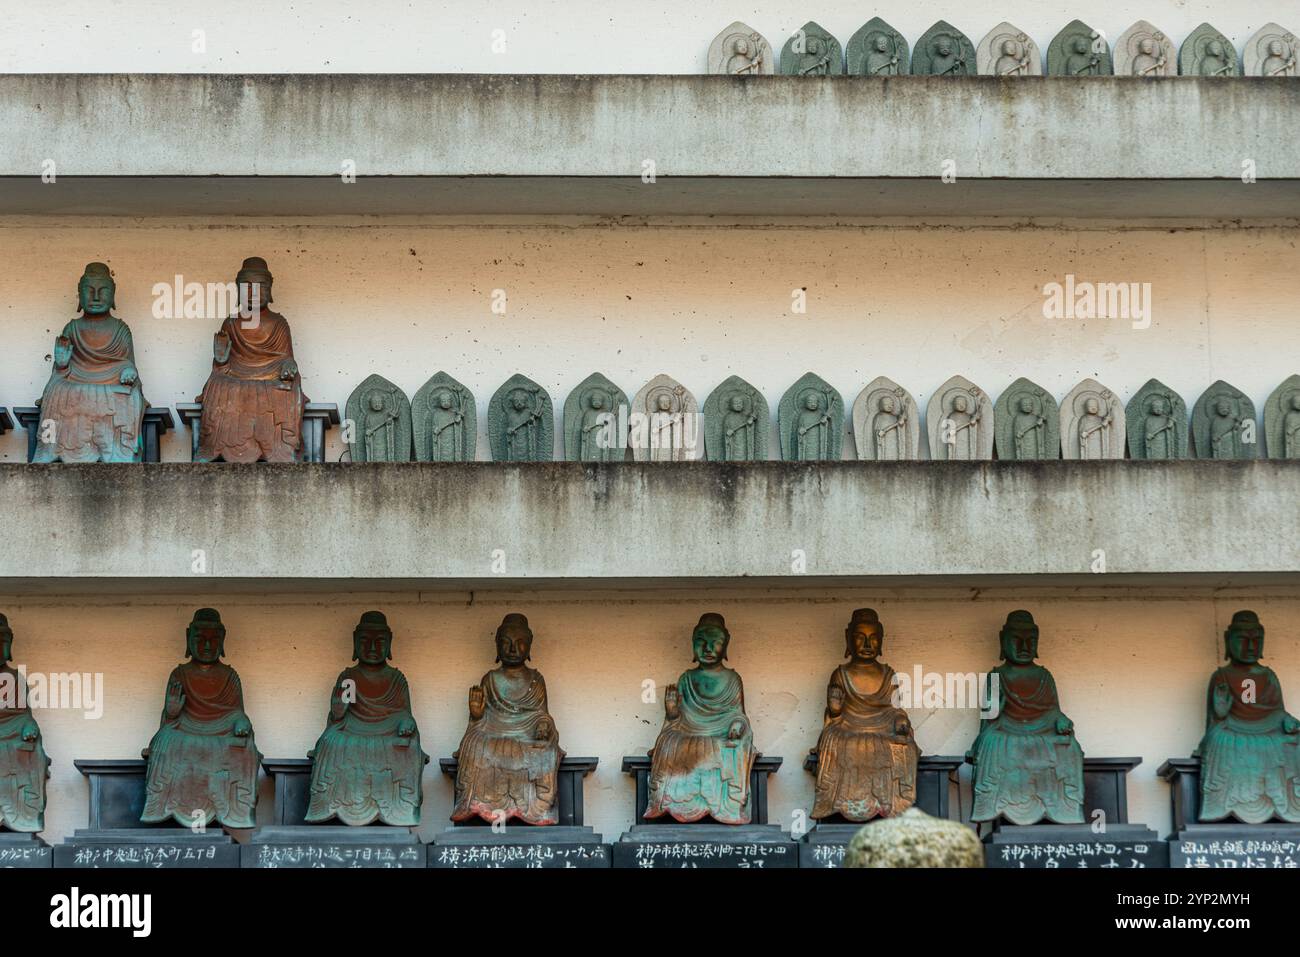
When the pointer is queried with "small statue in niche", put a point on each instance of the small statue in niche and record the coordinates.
(866, 755)
(669, 430)
(1282, 420)
(521, 422)
(943, 50)
(1006, 50)
(960, 422)
(380, 418)
(24, 767)
(812, 52)
(1270, 52)
(252, 402)
(1223, 424)
(1078, 50)
(368, 761)
(876, 49)
(509, 758)
(93, 400)
(811, 420)
(886, 423)
(736, 422)
(1027, 423)
(1144, 50)
(446, 423)
(1250, 754)
(1157, 423)
(1207, 52)
(700, 764)
(591, 421)
(202, 761)
(740, 50)
(1028, 763)
(1092, 423)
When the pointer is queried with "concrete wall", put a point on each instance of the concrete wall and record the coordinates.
(574, 36)
(1131, 667)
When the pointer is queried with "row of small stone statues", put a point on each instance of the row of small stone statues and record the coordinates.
(367, 764)
(877, 49)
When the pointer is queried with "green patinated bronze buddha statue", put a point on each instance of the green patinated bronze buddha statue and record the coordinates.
(866, 755)
(24, 767)
(1028, 763)
(202, 761)
(1250, 754)
(509, 758)
(368, 761)
(92, 408)
(701, 761)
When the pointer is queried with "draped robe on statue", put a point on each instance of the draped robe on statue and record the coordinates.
(23, 764)
(196, 762)
(695, 769)
(1250, 768)
(862, 772)
(501, 766)
(95, 417)
(363, 770)
(1024, 770)
(249, 413)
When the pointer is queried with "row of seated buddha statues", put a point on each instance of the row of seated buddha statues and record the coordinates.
(368, 762)
(252, 410)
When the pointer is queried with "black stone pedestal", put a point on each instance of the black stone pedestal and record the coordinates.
(1221, 844)
(317, 417)
(157, 420)
(20, 849)
(1074, 845)
(826, 840)
(333, 846)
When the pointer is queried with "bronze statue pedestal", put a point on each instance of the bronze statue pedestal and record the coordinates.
(476, 843)
(827, 839)
(19, 849)
(115, 836)
(1226, 844)
(157, 420)
(317, 419)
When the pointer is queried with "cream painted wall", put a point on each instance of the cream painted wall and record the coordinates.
(540, 36)
(700, 302)
(1131, 668)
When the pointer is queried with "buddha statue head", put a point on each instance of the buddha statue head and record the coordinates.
(863, 635)
(1157, 406)
(372, 639)
(709, 640)
(96, 291)
(1026, 404)
(254, 278)
(514, 640)
(811, 402)
(664, 402)
(6, 642)
(887, 404)
(1019, 638)
(205, 639)
(1244, 639)
(738, 402)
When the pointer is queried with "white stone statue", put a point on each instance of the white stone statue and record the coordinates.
(740, 50)
(1270, 52)
(1007, 50)
(664, 424)
(1144, 50)
(959, 422)
(1092, 423)
(886, 423)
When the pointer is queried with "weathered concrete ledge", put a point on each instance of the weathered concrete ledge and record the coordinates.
(494, 522)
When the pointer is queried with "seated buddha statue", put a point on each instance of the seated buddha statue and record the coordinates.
(367, 763)
(866, 755)
(701, 761)
(202, 761)
(510, 756)
(1250, 754)
(24, 767)
(1028, 763)
(92, 407)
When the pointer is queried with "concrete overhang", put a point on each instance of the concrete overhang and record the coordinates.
(205, 144)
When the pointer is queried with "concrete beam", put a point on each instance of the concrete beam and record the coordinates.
(647, 522)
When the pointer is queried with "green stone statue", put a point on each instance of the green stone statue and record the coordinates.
(1207, 52)
(367, 763)
(1079, 50)
(591, 421)
(1026, 423)
(1250, 755)
(700, 764)
(811, 51)
(24, 767)
(1028, 763)
(93, 406)
(521, 422)
(509, 758)
(1156, 420)
(943, 50)
(380, 418)
(736, 423)
(1223, 424)
(1282, 420)
(446, 423)
(202, 762)
(877, 49)
(810, 421)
